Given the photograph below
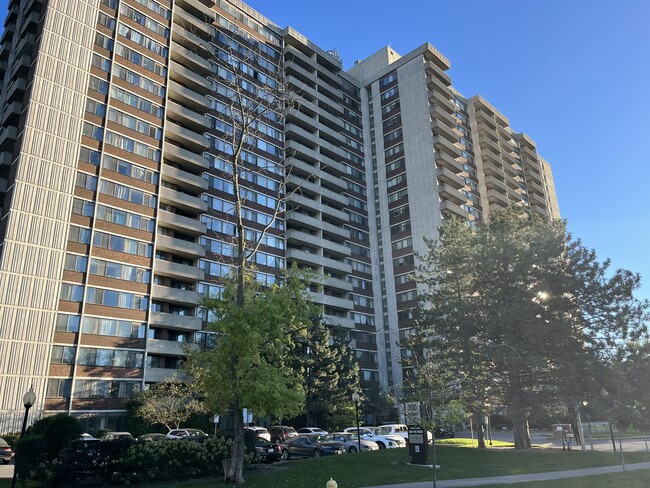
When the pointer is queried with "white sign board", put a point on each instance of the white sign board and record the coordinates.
(412, 413)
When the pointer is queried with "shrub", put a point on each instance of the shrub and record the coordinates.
(167, 460)
(31, 459)
(58, 431)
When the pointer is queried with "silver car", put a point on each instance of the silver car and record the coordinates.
(351, 442)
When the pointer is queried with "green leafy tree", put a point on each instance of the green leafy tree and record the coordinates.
(169, 403)
(330, 371)
(527, 308)
(257, 328)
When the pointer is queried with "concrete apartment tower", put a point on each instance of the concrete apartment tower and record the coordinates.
(116, 205)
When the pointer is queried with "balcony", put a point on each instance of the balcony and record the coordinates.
(446, 161)
(183, 179)
(192, 24)
(167, 348)
(174, 295)
(190, 59)
(340, 321)
(331, 301)
(317, 260)
(442, 144)
(452, 210)
(337, 284)
(177, 270)
(155, 375)
(188, 117)
(185, 158)
(179, 247)
(185, 137)
(188, 97)
(174, 321)
(183, 201)
(181, 223)
(189, 78)
(443, 130)
(314, 223)
(450, 193)
(493, 169)
(535, 188)
(452, 179)
(441, 100)
(496, 196)
(493, 182)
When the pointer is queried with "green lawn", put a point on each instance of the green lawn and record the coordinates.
(390, 466)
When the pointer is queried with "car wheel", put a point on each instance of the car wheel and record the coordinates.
(318, 453)
(352, 449)
(285, 455)
(381, 445)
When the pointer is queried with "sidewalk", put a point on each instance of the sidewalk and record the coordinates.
(520, 478)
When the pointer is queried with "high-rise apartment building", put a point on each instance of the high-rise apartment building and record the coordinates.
(116, 200)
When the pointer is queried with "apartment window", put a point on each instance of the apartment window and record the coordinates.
(113, 327)
(102, 63)
(98, 85)
(404, 261)
(89, 156)
(86, 181)
(102, 41)
(390, 107)
(67, 323)
(62, 355)
(388, 79)
(399, 212)
(143, 20)
(403, 279)
(391, 182)
(117, 358)
(79, 234)
(119, 271)
(122, 217)
(395, 165)
(96, 108)
(140, 60)
(58, 388)
(132, 123)
(142, 40)
(391, 121)
(137, 102)
(93, 131)
(406, 296)
(122, 244)
(389, 93)
(74, 262)
(359, 266)
(362, 301)
(401, 227)
(393, 197)
(155, 7)
(112, 298)
(106, 388)
(132, 146)
(129, 169)
(82, 207)
(394, 150)
(402, 244)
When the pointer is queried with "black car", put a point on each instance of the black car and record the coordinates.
(282, 433)
(270, 452)
(311, 446)
(442, 433)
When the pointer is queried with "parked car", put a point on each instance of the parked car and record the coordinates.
(394, 429)
(442, 433)
(383, 441)
(351, 442)
(260, 432)
(270, 452)
(281, 433)
(117, 436)
(6, 453)
(312, 430)
(187, 434)
(311, 446)
(152, 438)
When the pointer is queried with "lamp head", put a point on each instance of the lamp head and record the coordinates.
(29, 398)
(355, 397)
(604, 393)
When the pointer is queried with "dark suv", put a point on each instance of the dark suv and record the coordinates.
(281, 433)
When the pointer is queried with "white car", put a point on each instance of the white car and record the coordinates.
(383, 441)
(260, 432)
(395, 429)
(351, 442)
(312, 430)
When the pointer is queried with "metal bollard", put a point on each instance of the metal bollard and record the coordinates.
(331, 484)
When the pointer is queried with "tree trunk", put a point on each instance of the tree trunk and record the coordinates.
(519, 419)
(235, 472)
(477, 420)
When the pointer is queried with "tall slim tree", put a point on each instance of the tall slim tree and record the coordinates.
(524, 303)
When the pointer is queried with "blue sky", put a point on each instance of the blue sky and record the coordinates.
(574, 75)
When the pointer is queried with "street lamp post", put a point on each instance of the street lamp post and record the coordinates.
(28, 400)
(355, 399)
(605, 394)
(585, 404)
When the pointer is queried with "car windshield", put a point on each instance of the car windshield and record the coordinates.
(351, 437)
(383, 430)
(322, 438)
(195, 433)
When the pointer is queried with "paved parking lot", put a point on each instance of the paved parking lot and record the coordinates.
(6, 470)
